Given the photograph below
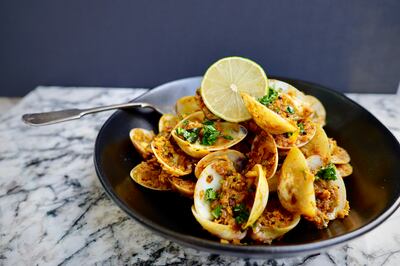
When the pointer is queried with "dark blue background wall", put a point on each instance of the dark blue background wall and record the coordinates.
(347, 45)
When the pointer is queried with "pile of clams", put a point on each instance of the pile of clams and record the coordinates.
(250, 182)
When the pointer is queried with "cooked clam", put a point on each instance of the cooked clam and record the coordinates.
(319, 114)
(331, 201)
(309, 105)
(314, 163)
(197, 136)
(305, 132)
(171, 159)
(149, 174)
(167, 122)
(274, 120)
(204, 193)
(226, 202)
(222, 231)
(237, 158)
(296, 185)
(338, 154)
(261, 195)
(344, 169)
(284, 87)
(187, 105)
(141, 139)
(299, 98)
(183, 185)
(319, 145)
(264, 151)
(274, 222)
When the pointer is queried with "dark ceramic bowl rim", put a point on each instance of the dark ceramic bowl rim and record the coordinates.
(254, 250)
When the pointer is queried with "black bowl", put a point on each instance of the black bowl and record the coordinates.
(373, 189)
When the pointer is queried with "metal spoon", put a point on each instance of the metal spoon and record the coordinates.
(48, 118)
(161, 99)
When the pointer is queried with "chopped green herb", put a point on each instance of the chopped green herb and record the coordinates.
(211, 194)
(216, 212)
(190, 135)
(289, 134)
(301, 127)
(210, 135)
(228, 137)
(290, 109)
(327, 173)
(241, 213)
(180, 131)
(239, 207)
(208, 122)
(269, 98)
(185, 122)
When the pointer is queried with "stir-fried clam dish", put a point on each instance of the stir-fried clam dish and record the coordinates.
(251, 153)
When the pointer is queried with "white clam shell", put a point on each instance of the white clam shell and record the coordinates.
(141, 139)
(234, 156)
(196, 149)
(296, 185)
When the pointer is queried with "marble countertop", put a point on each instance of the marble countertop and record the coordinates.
(53, 210)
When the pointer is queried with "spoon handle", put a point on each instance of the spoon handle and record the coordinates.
(48, 118)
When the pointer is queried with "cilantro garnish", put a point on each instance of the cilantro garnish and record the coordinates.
(289, 134)
(290, 109)
(208, 122)
(211, 194)
(216, 212)
(228, 137)
(271, 96)
(327, 173)
(210, 135)
(241, 213)
(190, 135)
(301, 127)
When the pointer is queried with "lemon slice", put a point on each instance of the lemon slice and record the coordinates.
(223, 82)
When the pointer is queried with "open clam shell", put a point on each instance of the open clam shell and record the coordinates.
(234, 156)
(187, 105)
(331, 201)
(220, 230)
(265, 118)
(202, 209)
(296, 185)
(217, 177)
(308, 105)
(167, 122)
(171, 159)
(284, 87)
(303, 135)
(229, 135)
(183, 185)
(264, 151)
(261, 196)
(274, 222)
(141, 139)
(150, 175)
(344, 169)
(340, 156)
(319, 145)
(319, 114)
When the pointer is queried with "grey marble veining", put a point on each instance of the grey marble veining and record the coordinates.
(53, 210)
